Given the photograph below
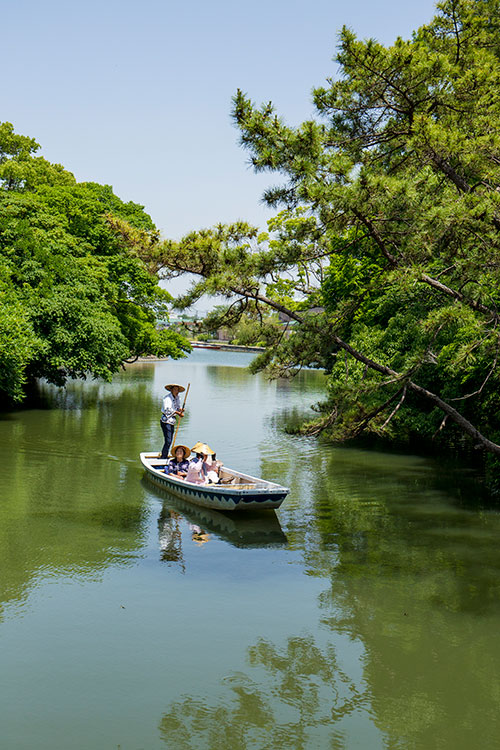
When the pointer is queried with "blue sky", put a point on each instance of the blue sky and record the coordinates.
(138, 95)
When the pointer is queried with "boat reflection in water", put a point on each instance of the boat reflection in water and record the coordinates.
(254, 529)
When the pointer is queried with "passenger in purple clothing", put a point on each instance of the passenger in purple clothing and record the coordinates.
(178, 465)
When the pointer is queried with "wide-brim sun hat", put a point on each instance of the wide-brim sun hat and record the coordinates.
(187, 451)
(196, 446)
(169, 387)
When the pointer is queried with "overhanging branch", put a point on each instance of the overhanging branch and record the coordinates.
(478, 306)
(452, 413)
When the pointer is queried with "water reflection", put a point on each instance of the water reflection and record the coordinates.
(296, 696)
(253, 530)
(170, 537)
(401, 650)
(415, 576)
(70, 501)
(365, 614)
(56, 533)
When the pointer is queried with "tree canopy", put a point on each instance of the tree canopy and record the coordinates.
(386, 250)
(75, 299)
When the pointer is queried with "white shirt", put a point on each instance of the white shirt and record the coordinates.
(170, 406)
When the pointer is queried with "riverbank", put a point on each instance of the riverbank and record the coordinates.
(223, 346)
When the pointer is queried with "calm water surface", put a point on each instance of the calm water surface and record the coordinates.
(365, 613)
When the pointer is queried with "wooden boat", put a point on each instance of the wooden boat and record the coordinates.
(207, 345)
(238, 491)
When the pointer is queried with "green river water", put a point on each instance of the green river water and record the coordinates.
(364, 613)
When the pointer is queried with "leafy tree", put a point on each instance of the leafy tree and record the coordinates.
(75, 299)
(386, 253)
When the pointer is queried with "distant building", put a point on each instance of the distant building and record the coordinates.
(289, 323)
(284, 318)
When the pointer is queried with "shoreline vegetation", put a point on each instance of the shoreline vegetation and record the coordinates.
(215, 345)
(76, 300)
(381, 266)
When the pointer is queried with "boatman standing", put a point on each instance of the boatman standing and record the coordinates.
(171, 409)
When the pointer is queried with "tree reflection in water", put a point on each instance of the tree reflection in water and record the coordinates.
(297, 700)
(411, 574)
(170, 537)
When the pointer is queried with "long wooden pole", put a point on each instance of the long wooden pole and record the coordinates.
(179, 419)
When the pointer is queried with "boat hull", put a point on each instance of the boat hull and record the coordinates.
(248, 493)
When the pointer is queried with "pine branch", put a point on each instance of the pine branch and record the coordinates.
(460, 297)
(453, 414)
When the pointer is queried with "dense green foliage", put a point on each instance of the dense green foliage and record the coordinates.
(75, 299)
(386, 253)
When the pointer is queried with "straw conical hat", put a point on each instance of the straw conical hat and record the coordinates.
(169, 387)
(204, 448)
(187, 451)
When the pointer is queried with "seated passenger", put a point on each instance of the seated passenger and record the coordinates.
(178, 465)
(213, 468)
(201, 465)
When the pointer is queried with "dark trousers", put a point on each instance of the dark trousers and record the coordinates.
(168, 434)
